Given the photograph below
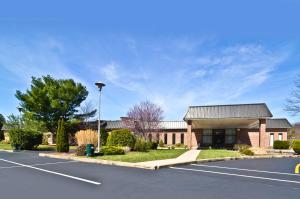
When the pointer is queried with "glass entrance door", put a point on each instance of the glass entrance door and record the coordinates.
(218, 138)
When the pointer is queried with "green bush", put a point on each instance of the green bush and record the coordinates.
(122, 137)
(241, 147)
(247, 152)
(80, 150)
(103, 137)
(278, 144)
(112, 150)
(25, 139)
(141, 145)
(62, 139)
(153, 145)
(296, 146)
(2, 137)
(161, 143)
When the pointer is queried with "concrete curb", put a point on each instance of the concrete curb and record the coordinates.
(142, 165)
(10, 151)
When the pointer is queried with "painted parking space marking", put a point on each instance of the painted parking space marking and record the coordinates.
(53, 172)
(239, 169)
(238, 175)
(41, 164)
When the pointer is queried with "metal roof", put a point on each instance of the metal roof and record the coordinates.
(258, 110)
(115, 124)
(278, 123)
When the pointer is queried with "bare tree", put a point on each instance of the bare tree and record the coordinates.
(293, 102)
(144, 118)
(86, 112)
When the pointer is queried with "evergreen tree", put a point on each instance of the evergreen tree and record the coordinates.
(62, 141)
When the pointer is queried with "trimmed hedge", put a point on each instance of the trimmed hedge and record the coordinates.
(278, 144)
(25, 139)
(122, 137)
(112, 150)
(247, 152)
(296, 146)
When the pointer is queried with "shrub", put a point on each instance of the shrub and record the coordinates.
(278, 144)
(122, 137)
(180, 145)
(62, 142)
(247, 152)
(26, 139)
(141, 145)
(103, 137)
(241, 147)
(296, 146)
(172, 147)
(161, 143)
(112, 150)
(85, 137)
(2, 137)
(80, 150)
(153, 145)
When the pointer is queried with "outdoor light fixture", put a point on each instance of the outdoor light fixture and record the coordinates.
(100, 85)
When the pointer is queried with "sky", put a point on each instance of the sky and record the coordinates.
(173, 53)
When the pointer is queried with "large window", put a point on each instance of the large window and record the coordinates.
(157, 137)
(280, 136)
(230, 136)
(207, 137)
(166, 138)
(173, 138)
(182, 138)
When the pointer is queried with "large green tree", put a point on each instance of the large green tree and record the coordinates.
(50, 99)
(2, 121)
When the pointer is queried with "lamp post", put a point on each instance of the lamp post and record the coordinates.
(100, 85)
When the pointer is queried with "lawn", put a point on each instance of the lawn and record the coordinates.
(40, 147)
(217, 153)
(145, 156)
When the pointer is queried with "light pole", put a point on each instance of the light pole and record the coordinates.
(100, 85)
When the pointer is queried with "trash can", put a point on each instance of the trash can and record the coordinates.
(90, 150)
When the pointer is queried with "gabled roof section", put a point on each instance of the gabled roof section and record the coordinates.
(257, 110)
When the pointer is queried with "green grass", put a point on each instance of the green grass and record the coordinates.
(40, 147)
(217, 153)
(145, 156)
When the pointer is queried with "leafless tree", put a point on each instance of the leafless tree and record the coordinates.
(293, 102)
(144, 118)
(86, 112)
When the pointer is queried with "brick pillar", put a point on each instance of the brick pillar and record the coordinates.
(189, 134)
(262, 133)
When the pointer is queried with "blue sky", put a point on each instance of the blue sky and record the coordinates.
(174, 53)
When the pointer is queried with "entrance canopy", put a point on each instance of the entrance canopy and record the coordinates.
(224, 123)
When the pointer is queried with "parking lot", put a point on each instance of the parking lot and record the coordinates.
(26, 175)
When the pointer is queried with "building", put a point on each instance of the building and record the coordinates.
(220, 126)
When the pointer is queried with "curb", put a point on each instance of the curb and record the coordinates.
(10, 151)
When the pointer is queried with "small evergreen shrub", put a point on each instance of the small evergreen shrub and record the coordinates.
(122, 137)
(161, 143)
(247, 152)
(153, 145)
(62, 141)
(241, 147)
(296, 146)
(25, 139)
(180, 145)
(112, 150)
(103, 137)
(278, 144)
(80, 150)
(141, 145)
(2, 137)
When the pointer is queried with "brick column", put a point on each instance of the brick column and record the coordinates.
(262, 133)
(189, 134)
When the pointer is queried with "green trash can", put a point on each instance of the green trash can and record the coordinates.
(90, 150)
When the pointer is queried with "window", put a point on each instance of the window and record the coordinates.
(166, 138)
(280, 136)
(230, 136)
(182, 138)
(271, 139)
(150, 137)
(157, 137)
(207, 137)
(173, 138)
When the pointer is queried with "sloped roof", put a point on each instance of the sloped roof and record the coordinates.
(278, 123)
(258, 110)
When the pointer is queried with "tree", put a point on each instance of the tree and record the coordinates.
(49, 99)
(2, 121)
(144, 118)
(62, 141)
(293, 102)
(86, 112)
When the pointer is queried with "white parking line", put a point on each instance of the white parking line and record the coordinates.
(49, 163)
(239, 175)
(52, 172)
(252, 170)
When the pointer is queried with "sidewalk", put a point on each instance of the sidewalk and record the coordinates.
(188, 157)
